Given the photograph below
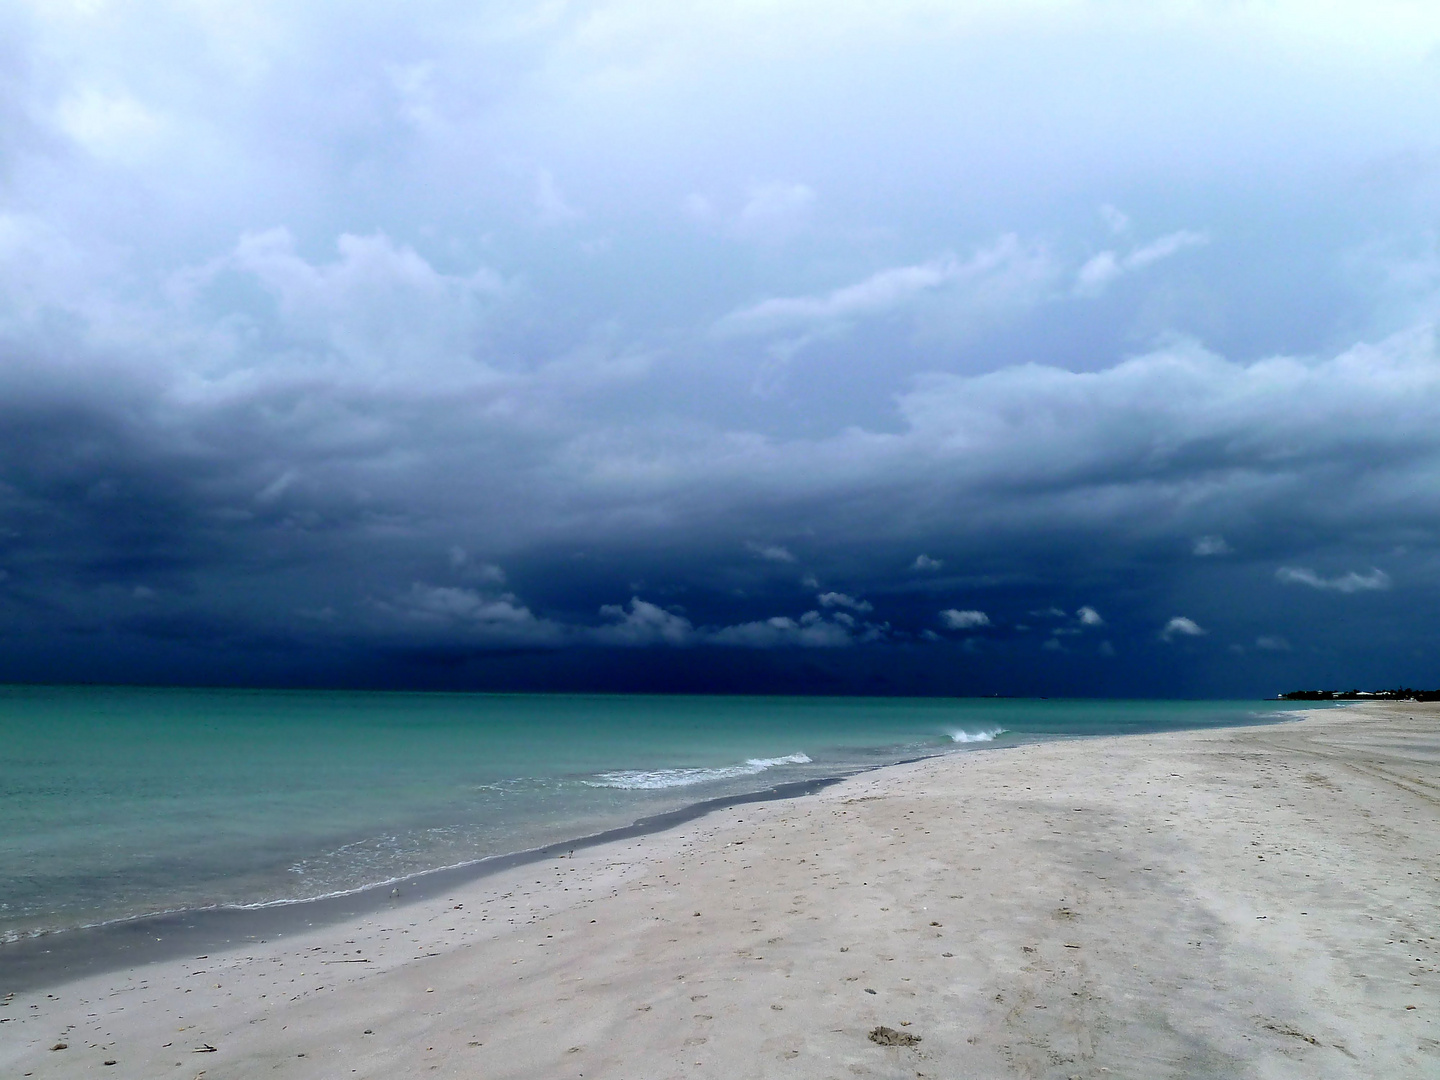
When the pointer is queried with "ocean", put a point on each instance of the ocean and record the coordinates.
(118, 802)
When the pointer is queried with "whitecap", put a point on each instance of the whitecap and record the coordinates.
(962, 736)
(656, 779)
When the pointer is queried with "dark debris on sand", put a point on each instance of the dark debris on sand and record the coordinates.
(887, 1036)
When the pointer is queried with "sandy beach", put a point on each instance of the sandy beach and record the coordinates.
(1251, 902)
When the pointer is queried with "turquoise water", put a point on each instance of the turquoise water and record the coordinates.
(118, 802)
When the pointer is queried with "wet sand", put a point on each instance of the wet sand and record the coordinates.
(1250, 902)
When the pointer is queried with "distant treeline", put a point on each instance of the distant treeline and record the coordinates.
(1365, 695)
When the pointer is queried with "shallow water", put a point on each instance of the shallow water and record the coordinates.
(119, 802)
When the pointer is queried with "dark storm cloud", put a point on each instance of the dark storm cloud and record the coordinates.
(381, 361)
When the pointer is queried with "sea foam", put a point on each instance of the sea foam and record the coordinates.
(655, 779)
(988, 735)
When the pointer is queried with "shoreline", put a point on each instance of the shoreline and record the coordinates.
(48, 958)
(1250, 901)
(100, 946)
(34, 962)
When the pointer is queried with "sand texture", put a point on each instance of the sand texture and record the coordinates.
(1256, 902)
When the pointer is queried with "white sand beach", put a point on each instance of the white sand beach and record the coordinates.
(1252, 902)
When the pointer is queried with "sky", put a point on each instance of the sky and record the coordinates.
(1044, 347)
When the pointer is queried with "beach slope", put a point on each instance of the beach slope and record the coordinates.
(1252, 902)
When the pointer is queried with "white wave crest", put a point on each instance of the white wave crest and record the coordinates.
(655, 779)
(988, 735)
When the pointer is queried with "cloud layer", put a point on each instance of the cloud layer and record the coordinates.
(337, 342)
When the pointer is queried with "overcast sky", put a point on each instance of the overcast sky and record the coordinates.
(947, 347)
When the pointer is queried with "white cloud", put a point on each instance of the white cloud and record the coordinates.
(115, 127)
(443, 601)
(462, 563)
(644, 624)
(1118, 220)
(925, 562)
(277, 487)
(379, 307)
(1004, 273)
(415, 89)
(1211, 545)
(771, 552)
(470, 613)
(1351, 582)
(1100, 271)
(698, 208)
(1180, 626)
(1097, 273)
(1272, 643)
(1163, 248)
(1088, 616)
(879, 292)
(968, 619)
(551, 206)
(774, 211)
(838, 599)
(811, 631)
(1143, 426)
(768, 216)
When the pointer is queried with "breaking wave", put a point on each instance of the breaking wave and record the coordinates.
(654, 779)
(988, 735)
